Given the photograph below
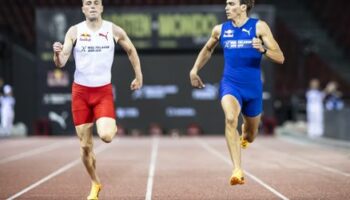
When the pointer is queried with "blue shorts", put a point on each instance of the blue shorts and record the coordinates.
(249, 96)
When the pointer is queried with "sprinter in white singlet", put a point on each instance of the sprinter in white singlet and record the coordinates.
(92, 42)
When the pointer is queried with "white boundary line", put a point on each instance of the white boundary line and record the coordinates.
(330, 169)
(224, 158)
(55, 173)
(32, 152)
(152, 167)
(300, 159)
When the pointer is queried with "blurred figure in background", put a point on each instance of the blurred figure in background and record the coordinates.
(1, 86)
(7, 102)
(92, 42)
(58, 26)
(244, 40)
(314, 109)
(1, 92)
(333, 99)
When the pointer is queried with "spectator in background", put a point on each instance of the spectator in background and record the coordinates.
(58, 26)
(7, 111)
(333, 99)
(1, 91)
(314, 109)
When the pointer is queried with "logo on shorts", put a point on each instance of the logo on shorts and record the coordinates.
(85, 37)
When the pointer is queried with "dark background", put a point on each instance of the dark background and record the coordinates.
(314, 37)
(166, 68)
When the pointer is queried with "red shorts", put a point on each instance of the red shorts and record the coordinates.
(91, 103)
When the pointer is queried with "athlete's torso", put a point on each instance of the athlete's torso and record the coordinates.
(94, 54)
(242, 61)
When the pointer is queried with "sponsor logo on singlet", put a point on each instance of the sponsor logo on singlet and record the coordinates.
(94, 48)
(104, 35)
(237, 44)
(247, 30)
(85, 37)
(228, 33)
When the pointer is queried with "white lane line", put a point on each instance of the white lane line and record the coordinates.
(304, 160)
(330, 169)
(152, 168)
(32, 152)
(55, 173)
(250, 175)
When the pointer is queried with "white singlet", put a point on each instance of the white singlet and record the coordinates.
(94, 54)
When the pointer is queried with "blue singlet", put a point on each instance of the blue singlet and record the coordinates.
(242, 75)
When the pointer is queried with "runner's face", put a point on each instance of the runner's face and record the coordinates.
(233, 8)
(92, 9)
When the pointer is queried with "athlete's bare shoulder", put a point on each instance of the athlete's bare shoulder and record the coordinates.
(72, 33)
(262, 27)
(117, 29)
(118, 32)
(261, 24)
(216, 31)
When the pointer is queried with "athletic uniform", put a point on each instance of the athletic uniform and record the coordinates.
(242, 75)
(92, 96)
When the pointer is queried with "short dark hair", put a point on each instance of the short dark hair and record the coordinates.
(82, 1)
(249, 3)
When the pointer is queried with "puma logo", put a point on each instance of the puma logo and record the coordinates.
(104, 35)
(60, 119)
(247, 31)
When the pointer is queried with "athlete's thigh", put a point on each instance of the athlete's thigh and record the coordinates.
(252, 107)
(84, 132)
(81, 111)
(231, 106)
(104, 104)
(251, 123)
(106, 125)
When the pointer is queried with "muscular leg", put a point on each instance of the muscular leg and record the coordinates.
(106, 128)
(232, 109)
(250, 127)
(84, 133)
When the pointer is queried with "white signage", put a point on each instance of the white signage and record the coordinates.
(155, 91)
(180, 112)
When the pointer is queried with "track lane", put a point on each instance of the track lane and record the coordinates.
(185, 170)
(295, 179)
(123, 170)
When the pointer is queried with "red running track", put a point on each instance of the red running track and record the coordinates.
(173, 168)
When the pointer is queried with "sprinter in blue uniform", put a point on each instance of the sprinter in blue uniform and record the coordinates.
(244, 40)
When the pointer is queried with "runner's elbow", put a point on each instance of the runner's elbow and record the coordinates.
(281, 61)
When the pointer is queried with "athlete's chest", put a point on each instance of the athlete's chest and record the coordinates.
(94, 42)
(237, 38)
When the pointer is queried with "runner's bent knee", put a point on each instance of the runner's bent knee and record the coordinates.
(107, 135)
